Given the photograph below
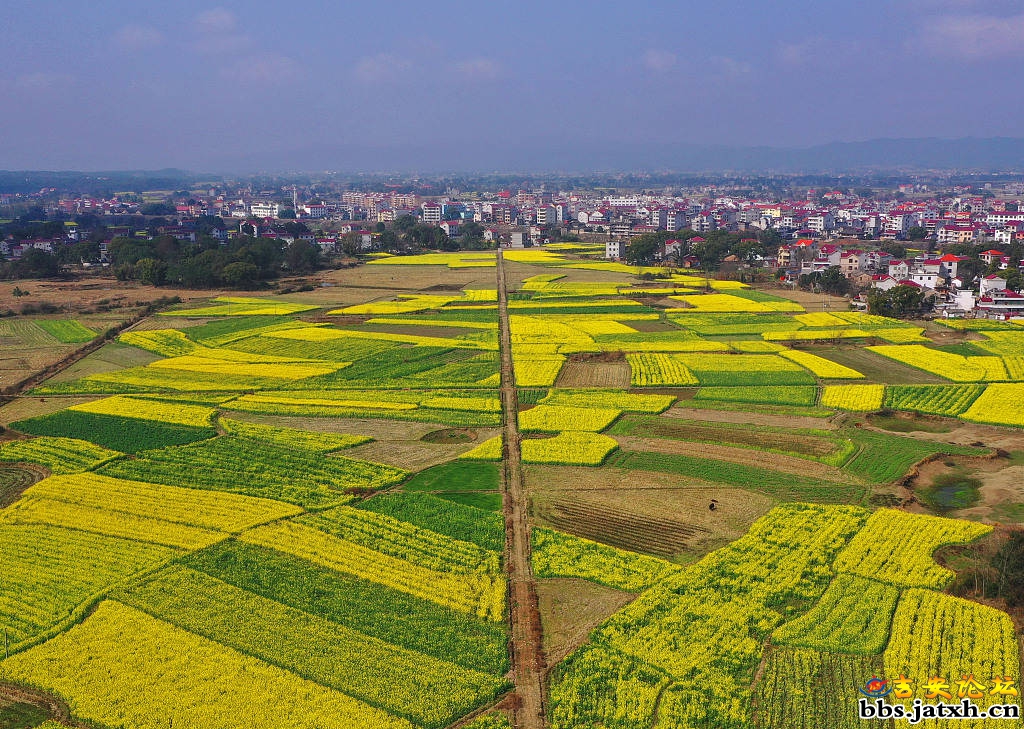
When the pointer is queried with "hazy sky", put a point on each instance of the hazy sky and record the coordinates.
(314, 85)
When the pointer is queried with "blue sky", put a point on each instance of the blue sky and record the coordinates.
(304, 85)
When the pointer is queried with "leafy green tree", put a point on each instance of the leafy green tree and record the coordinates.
(831, 281)
(129, 250)
(36, 263)
(894, 249)
(961, 249)
(151, 271)
(82, 251)
(295, 228)
(471, 236)
(241, 275)
(770, 238)
(899, 301)
(350, 243)
(405, 223)
(286, 214)
(713, 249)
(917, 232)
(970, 269)
(302, 256)
(640, 251)
(158, 209)
(202, 271)
(205, 224)
(748, 249)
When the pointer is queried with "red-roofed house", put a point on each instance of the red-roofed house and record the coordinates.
(1002, 301)
(990, 255)
(883, 281)
(950, 262)
(955, 233)
(851, 261)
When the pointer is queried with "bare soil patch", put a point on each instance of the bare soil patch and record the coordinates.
(415, 330)
(450, 435)
(15, 479)
(897, 422)
(570, 609)
(29, 407)
(1001, 494)
(110, 357)
(410, 455)
(91, 290)
(646, 495)
(517, 272)
(664, 537)
(343, 320)
(18, 361)
(991, 436)
(594, 374)
(739, 434)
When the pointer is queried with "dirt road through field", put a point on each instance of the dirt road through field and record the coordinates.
(527, 650)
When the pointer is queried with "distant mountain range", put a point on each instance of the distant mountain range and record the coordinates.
(969, 153)
(999, 154)
(537, 156)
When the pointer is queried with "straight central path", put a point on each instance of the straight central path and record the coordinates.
(524, 615)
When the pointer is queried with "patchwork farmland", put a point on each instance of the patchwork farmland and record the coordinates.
(524, 490)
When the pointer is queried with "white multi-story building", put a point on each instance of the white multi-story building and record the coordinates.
(675, 220)
(899, 270)
(821, 222)
(658, 217)
(1002, 217)
(264, 210)
(450, 227)
(547, 216)
(1002, 303)
(613, 249)
(315, 210)
(923, 278)
(431, 213)
(992, 282)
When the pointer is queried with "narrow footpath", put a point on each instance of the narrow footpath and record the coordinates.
(524, 615)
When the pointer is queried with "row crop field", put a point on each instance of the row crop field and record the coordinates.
(294, 510)
(688, 647)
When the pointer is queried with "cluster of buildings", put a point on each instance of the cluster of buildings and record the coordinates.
(940, 275)
(958, 216)
(822, 230)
